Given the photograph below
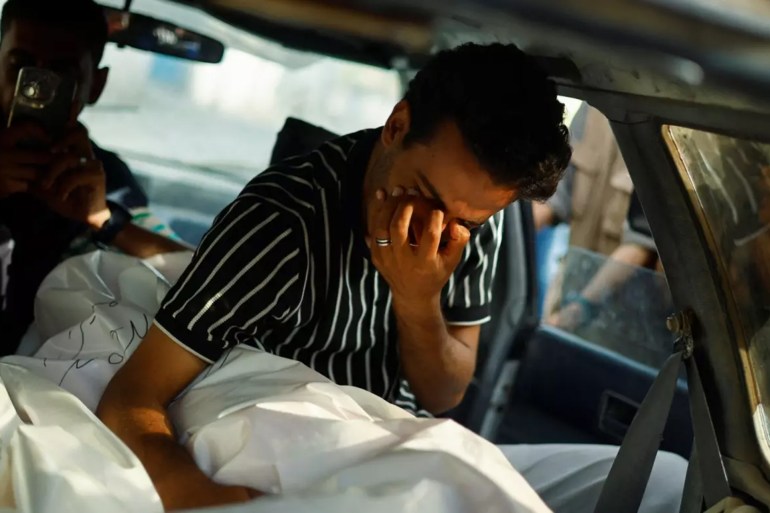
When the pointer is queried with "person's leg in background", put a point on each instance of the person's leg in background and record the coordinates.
(569, 477)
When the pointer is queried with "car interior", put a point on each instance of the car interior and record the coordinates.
(649, 66)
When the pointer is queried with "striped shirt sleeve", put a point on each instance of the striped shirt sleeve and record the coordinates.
(468, 295)
(247, 275)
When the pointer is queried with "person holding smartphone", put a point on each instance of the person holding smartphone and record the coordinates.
(56, 185)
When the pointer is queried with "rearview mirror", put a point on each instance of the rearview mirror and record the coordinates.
(158, 36)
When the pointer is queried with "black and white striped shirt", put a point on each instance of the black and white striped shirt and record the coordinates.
(285, 268)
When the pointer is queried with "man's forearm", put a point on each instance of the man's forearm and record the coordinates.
(136, 241)
(437, 366)
(176, 476)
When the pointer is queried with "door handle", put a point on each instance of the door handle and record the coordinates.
(615, 414)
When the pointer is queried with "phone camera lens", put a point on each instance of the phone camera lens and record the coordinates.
(32, 91)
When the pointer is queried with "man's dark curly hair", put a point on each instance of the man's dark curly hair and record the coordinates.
(506, 109)
(85, 18)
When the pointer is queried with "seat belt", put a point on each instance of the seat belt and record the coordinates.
(692, 502)
(712, 468)
(627, 480)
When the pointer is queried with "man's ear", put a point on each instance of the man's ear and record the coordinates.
(98, 85)
(397, 125)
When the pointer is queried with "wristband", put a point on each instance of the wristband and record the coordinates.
(119, 218)
(589, 310)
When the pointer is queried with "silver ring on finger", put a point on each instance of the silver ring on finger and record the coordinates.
(383, 243)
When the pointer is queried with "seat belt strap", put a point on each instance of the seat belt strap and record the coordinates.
(712, 469)
(693, 501)
(625, 484)
(624, 487)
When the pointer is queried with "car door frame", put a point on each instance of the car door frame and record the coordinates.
(691, 267)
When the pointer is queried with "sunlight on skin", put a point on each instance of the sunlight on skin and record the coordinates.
(98, 219)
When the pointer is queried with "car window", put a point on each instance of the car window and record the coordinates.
(224, 117)
(196, 133)
(599, 273)
(730, 181)
(628, 318)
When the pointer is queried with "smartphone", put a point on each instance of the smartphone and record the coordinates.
(44, 97)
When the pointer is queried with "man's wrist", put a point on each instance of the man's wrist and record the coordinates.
(416, 307)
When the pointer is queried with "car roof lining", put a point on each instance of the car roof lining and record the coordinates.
(347, 47)
(406, 29)
(663, 51)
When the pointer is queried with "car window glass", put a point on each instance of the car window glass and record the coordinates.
(730, 181)
(599, 273)
(196, 133)
(627, 317)
(225, 116)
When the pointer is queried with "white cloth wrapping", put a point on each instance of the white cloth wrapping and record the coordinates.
(55, 455)
(275, 425)
(252, 419)
(91, 312)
